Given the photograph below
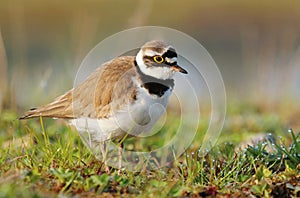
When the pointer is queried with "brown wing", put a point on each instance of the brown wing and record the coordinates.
(106, 90)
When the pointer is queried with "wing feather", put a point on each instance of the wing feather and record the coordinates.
(108, 89)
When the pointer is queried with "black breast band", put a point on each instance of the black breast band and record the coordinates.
(154, 85)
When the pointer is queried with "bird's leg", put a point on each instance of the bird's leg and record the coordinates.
(104, 155)
(120, 157)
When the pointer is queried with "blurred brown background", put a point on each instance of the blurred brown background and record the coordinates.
(254, 43)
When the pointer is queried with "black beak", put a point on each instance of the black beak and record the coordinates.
(177, 68)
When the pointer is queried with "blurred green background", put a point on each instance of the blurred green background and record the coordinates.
(254, 43)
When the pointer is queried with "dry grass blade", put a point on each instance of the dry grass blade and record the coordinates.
(3, 73)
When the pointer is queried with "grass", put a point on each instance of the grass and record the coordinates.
(48, 159)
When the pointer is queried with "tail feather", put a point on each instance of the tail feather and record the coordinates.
(53, 112)
(60, 108)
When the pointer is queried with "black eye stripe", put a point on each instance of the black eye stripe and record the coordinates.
(170, 54)
(150, 58)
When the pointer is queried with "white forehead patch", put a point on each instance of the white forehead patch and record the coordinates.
(171, 60)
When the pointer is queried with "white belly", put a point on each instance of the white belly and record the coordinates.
(135, 119)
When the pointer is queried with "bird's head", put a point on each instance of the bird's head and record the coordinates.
(159, 60)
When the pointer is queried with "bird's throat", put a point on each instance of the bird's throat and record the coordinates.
(154, 86)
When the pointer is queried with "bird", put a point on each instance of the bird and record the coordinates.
(116, 100)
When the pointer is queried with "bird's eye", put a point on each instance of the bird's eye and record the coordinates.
(158, 59)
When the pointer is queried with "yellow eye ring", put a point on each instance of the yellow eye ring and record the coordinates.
(158, 59)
